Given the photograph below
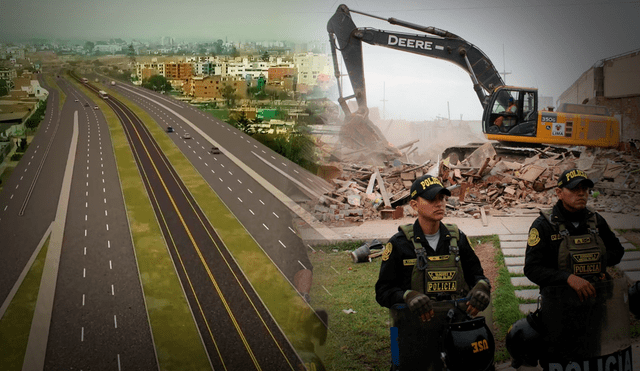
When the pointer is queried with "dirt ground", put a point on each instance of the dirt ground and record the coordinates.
(486, 253)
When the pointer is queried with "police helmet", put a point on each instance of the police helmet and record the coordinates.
(524, 342)
(634, 299)
(469, 346)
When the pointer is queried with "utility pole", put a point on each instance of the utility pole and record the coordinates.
(384, 111)
(504, 67)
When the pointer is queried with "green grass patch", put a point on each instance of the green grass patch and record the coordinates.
(15, 325)
(356, 341)
(222, 114)
(175, 334)
(284, 303)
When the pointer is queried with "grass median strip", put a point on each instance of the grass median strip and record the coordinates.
(281, 299)
(178, 343)
(16, 322)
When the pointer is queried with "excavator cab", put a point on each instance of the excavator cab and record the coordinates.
(511, 111)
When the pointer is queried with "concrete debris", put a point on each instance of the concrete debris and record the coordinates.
(483, 184)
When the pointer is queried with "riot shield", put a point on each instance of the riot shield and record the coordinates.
(585, 333)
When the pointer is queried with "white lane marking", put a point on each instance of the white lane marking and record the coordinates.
(283, 245)
(261, 202)
(86, 193)
(291, 229)
(87, 184)
(273, 157)
(85, 250)
(230, 173)
(82, 334)
(107, 226)
(86, 204)
(104, 190)
(113, 293)
(85, 233)
(249, 191)
(251, 212)
(213, 171)
(240, 199)
(84, 272)
(199, 156)
(11, 198)
(220, 179)
(85, 218)
(230, 190)
(275, 215)
(206, 164)
(108, 244)
(302, 264)
(283, 164)
(110, 265)
(119, 369)
(239, 181)
(265, 226)
(105, 200)
(115, 321)
(105, 213)
(5, 208)
(17, 186)
(83, 300)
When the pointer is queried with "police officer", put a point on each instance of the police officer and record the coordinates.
(571, 244)
(429, 261)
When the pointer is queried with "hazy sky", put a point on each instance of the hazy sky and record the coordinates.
(547, 44)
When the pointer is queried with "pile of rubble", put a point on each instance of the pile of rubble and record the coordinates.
(483, 184)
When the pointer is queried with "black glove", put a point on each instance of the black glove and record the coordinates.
(480, 295)
(418, 303)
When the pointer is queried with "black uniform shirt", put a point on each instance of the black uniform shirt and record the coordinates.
(395, 272)
(541, 259)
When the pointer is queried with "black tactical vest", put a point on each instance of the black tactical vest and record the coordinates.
(582, 255)
(438, 276)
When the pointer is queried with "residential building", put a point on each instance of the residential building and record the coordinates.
(146, 70)
(178, 71)
(615, 83)
(310, 66)
(210, 87)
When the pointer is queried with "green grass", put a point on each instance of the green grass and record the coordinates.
(222, 114)
(178, 343)
(284, 303)
(357, 341)
(15, 325)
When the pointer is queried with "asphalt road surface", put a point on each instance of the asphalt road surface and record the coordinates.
(266, 217)
(238, 331)
(29, 198)
(99, 320)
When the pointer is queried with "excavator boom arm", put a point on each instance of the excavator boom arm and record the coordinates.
(436, 43)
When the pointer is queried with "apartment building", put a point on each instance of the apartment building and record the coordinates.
(146, 70)
(178, 71)
(310, 66)
(210, 87)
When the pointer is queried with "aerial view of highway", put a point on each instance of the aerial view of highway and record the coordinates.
(95, 302)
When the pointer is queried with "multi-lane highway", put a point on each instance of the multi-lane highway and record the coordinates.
(244, 177)
(238, 331)
(98, 319)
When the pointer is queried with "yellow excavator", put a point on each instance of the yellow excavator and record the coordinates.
(511, 114)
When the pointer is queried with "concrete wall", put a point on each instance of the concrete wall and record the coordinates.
(622, 76)
(581, 90)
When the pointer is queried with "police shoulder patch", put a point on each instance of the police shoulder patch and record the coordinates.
(387, 251)
(534, 237)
